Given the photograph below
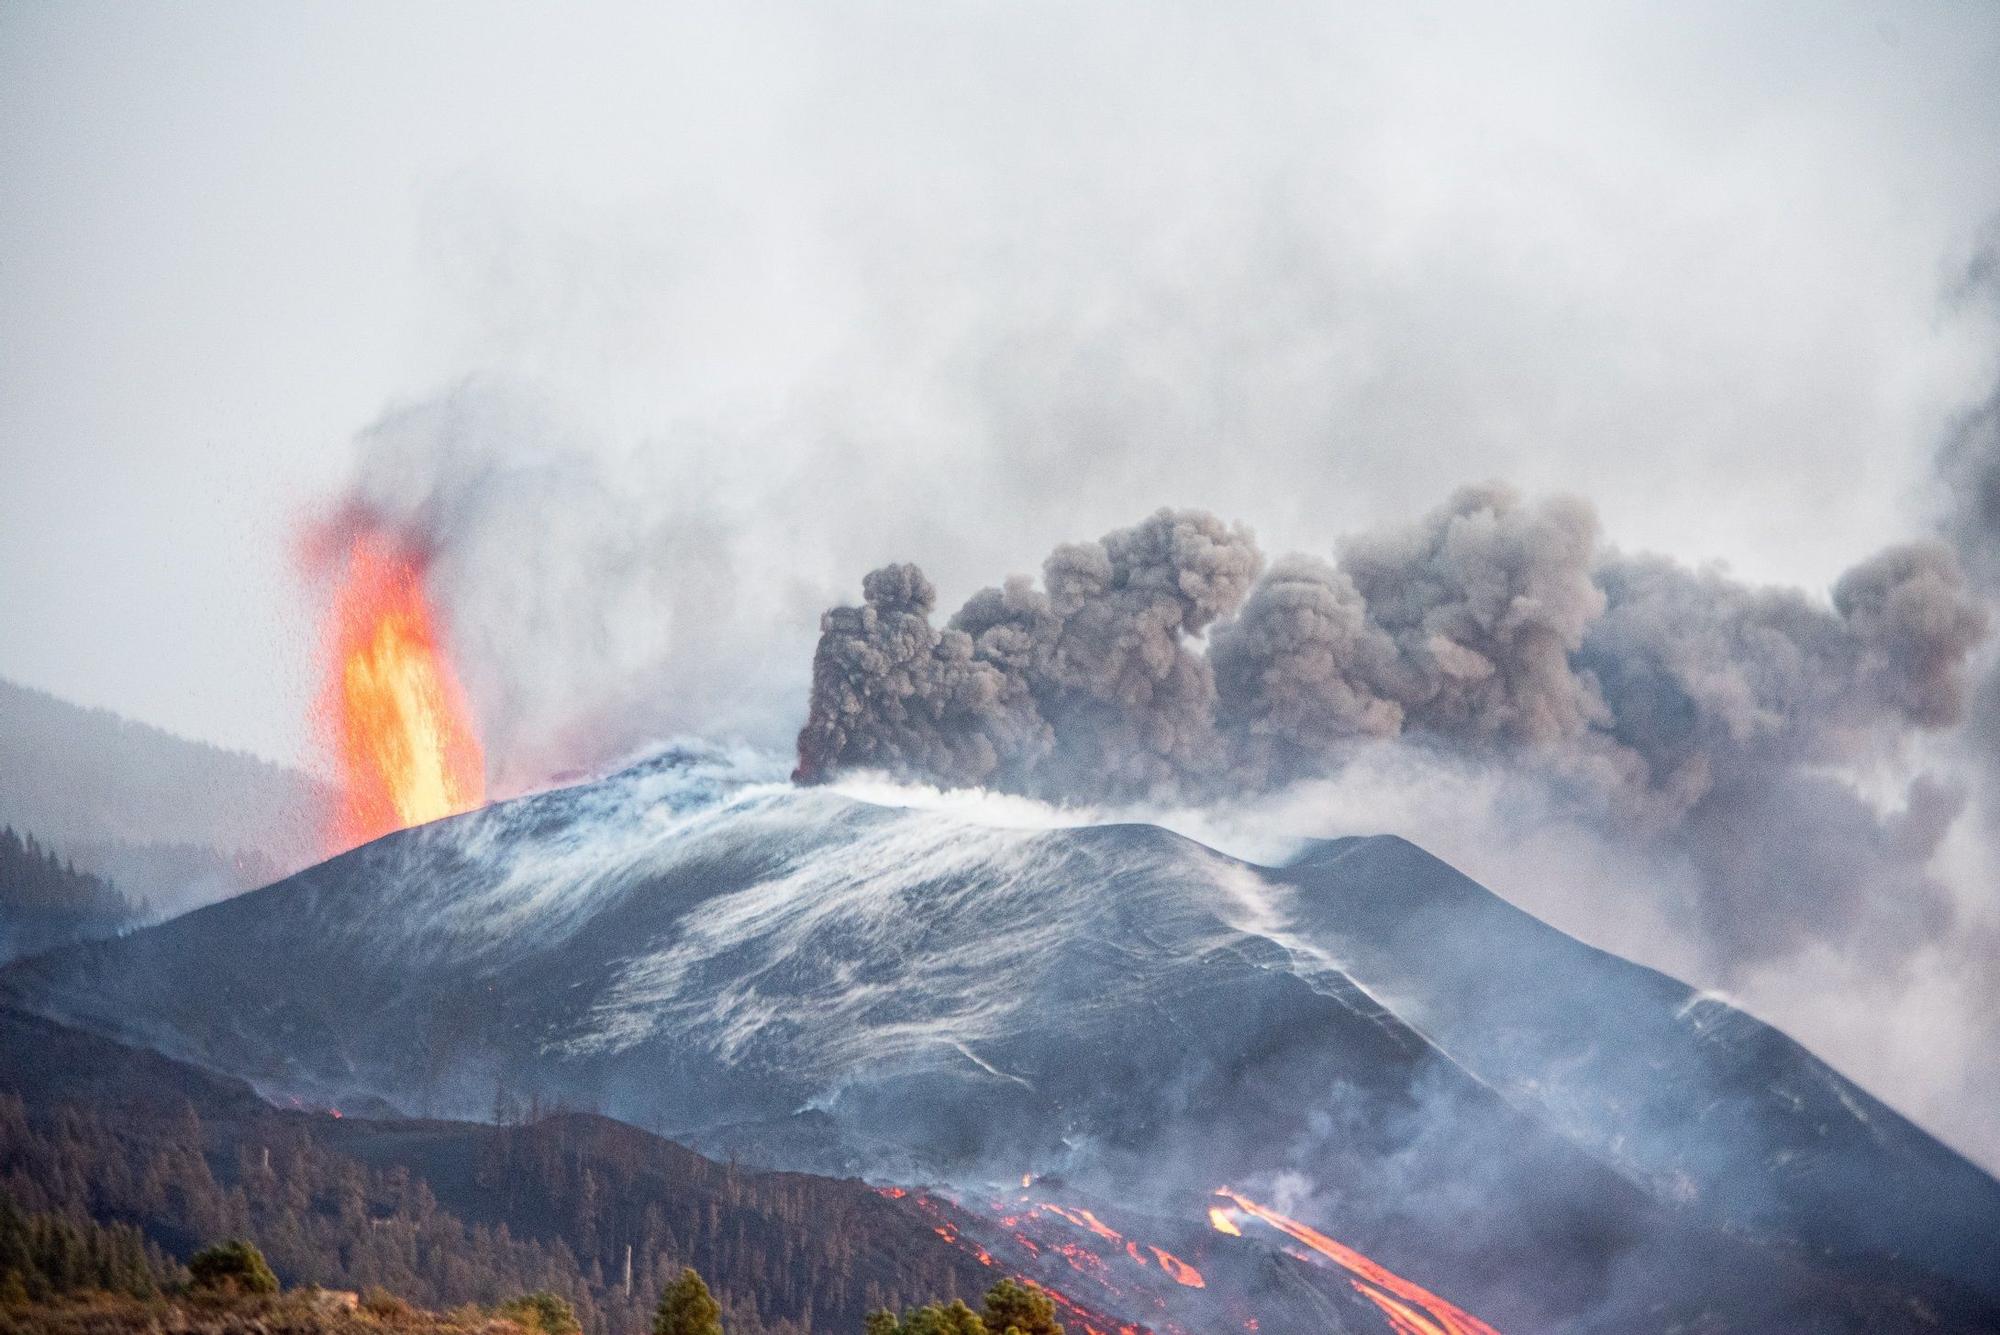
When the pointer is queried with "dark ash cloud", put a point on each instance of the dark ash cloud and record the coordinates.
(1027, 689)
(1163, 662)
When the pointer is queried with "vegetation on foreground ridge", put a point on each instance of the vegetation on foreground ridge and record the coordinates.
(57, 1278)
(165, 1160)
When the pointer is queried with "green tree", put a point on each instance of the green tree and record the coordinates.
(549, 1313)
(1011, 1309)
(954, 1319)
(234, 1266)
(1020, 1307)
(686, 1308)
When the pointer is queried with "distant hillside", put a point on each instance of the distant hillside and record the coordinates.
(172, 821)
(45, 901)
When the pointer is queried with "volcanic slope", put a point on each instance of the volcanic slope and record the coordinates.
(1547, 1134)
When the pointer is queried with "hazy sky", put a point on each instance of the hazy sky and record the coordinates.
(786, 291)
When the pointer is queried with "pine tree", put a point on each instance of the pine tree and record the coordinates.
(1011, 1309)
(954, 1318)
(687, 1308)
(1021, 1307)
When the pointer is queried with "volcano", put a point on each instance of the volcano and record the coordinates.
(1110, 1018)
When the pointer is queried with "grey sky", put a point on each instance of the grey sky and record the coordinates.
(807, 288)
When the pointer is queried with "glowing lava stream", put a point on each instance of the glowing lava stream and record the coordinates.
(1372, 1281)
(390, 707)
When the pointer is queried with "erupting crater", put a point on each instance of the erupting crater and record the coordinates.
(390, 710)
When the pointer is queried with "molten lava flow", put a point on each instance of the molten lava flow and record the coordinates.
(1403, 1320)
(1182, 1272)
(1084, 1219)
(390, 706)
(1374, 1282)
(1080, 1317)
(1219, 1218)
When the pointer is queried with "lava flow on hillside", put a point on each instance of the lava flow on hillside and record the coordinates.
(1410, 1309)
(1115, 1272)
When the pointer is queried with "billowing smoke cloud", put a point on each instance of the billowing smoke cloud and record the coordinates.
(1460, 626)
(1725, 721)
(1096, 673)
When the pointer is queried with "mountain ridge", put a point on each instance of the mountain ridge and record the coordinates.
(962, 1002)
(170, 819)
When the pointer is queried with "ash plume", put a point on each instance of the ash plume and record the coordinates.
(1459, 626)
(1967, 470)
(1968, 467)
(1092, 680)
(1712, 717)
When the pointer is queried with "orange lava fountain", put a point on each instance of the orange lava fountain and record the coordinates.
(1410, 1310)
(390, 708)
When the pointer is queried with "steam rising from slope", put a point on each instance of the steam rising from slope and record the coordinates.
(1677, 705)
(595, 606)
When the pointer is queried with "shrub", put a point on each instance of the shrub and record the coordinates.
(549, 1313)
(1011, 1309)
(379, 1302)
(235, 1266)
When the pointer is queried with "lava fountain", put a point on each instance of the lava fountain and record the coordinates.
(390, 708)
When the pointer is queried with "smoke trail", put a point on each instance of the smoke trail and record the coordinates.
(1968, 466)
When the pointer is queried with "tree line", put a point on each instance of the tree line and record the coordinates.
(601, 1215)
(44, 1257)
(45, 901)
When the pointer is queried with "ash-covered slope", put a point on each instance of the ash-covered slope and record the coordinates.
(1682, 1092)
(1547, 1134)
